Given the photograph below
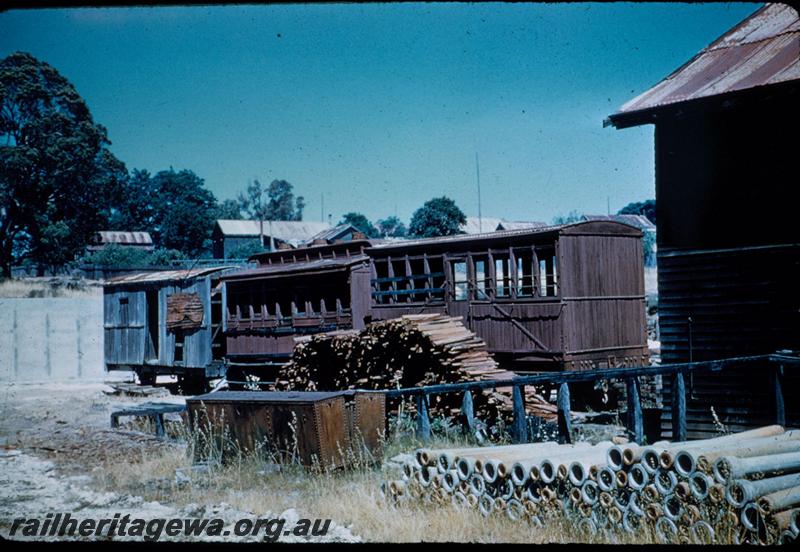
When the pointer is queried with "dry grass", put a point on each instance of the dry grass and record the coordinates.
(349, 497)
(49, 287)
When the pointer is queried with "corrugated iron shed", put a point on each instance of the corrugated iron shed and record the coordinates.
(108, 237)
(317, 265)
(519, 225)
(763, 49)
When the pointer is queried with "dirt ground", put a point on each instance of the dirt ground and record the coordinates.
(57, 450)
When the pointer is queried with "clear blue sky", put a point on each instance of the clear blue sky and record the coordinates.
(378, 106)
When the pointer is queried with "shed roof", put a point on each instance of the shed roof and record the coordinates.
(125, 238)
(519, 225)
(764, 49)
(475, 225)
(291, 231)
(317, 265)
(164, 276)
(334, 233)
(603, 227)
(639, 221)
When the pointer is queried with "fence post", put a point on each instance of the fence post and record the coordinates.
(777, 387)
(635, 427)
(468, 412)
(519, 427)
(423, 422)
(564, 421)
(679, 408)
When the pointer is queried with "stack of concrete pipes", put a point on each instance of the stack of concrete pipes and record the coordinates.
(738, 488)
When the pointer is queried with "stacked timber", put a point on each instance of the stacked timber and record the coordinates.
(409, 351)
(738, 488)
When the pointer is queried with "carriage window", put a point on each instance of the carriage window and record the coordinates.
(548, 276)
(503, 276)
(460, 281)
(436, 267)
(481, 280)
(525, 284)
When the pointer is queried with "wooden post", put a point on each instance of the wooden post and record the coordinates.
(423, 422)
(519, 427)
(564, 420)
(678, 408)
(777, 386)
(159, 420)
(635, 427)
(468, 413)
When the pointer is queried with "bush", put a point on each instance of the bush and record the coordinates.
(121, 256)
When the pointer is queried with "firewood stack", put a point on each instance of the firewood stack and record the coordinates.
(410, 351)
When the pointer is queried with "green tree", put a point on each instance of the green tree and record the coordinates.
(572, 216)
(57, 176)
(646, 208)
(276, 202)
(229, 209)
(437, 217)
(134, 204)
(391, 227)
(122, 256)
(361, 222)
(184, 212)
(247, 250)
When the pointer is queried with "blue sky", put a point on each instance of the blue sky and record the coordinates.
(380, 107)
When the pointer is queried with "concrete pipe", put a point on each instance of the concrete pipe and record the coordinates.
(575, 495)
(535, 521)
(700, 484)
(665, 481)
(606, 479)
(683, 491)
(621, 479)
(615, 457)
(477, 486)
(507, 489)
(778, 522)
(465, 466)
(472, 501)
(590, 493)
(586, 510)
(716, 494)
(650, 460)
(499, 504)
(693, 512)
(606, 500)
(397, 487)
(519, 492)
(533, 492)
(666, 530)
(650, 493)
(587, 526)
(547, 471)
(531, 508)
(459, 500)
(548, 494)
(638, 477)
(795, 523)
(779, 500)
(408, 470)
(450, 481)
(672, 506)
(701, 532)
(727, 468)
(741, 491)
(463, 486)
(490, 474)
(785, 442)
(515, 510)
(631, 521)
(750, 516)
(622, 499)
(635, 504)
(426, 476)
(787, 537)
(685, 463)
(614, 515)
(485, 505)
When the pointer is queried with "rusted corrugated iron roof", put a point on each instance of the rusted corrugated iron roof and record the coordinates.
(763, 49)
(164, 275)
(290, 231)
(638, 221)
(318, 265)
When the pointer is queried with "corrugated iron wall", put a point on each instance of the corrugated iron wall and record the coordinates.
(741, 301)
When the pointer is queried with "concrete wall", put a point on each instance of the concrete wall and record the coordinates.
(53, 339)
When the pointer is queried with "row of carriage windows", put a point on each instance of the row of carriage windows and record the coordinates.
(472, 277)
(405, 280)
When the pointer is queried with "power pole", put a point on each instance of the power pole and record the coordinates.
(478, 175)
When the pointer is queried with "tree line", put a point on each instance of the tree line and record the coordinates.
(60, 183)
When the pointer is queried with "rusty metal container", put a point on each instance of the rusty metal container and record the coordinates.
(327, 428)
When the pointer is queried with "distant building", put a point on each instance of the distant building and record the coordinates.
(229, 235)
(475, 225)
(337, 234)
(137, 240)
(639, 221)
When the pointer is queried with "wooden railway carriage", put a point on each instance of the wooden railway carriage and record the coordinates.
(562, 297)
(165, 322)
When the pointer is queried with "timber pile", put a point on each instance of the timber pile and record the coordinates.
(409, 351)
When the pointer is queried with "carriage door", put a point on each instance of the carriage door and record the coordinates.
(458, 296)
(151, 335)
